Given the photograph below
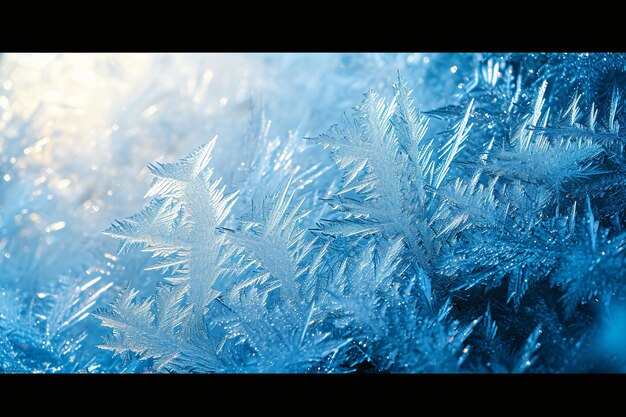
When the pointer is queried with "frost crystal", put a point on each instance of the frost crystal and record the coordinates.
(467, 216)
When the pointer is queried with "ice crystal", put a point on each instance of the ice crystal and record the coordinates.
(466, 216)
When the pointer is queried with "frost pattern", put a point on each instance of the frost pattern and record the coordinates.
(466, 216)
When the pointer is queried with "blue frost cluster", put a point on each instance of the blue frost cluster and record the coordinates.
(482, 234)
